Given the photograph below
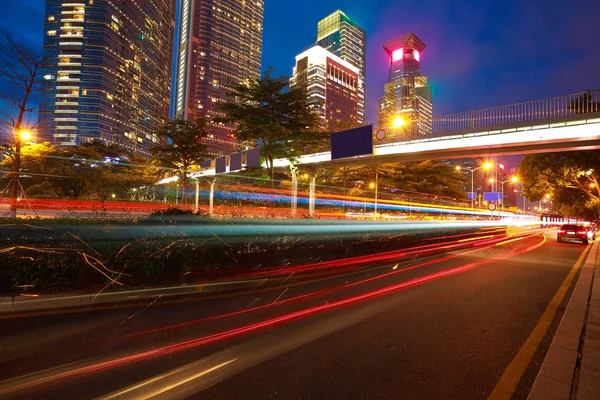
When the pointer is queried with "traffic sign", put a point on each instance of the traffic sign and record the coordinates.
(492, 206)
(380, 135)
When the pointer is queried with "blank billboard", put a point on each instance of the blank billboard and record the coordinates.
(235, 162)
(221, 164)
(205, 163)
(352, 142)
(253, 157)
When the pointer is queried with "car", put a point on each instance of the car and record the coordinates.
(574, 233)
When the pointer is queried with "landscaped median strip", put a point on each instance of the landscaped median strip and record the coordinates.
(11, 305)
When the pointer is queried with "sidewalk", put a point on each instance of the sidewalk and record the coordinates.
(571, 369)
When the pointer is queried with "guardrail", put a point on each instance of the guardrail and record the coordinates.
(545, 109)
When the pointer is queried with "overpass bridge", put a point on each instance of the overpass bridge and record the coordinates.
(562, 123)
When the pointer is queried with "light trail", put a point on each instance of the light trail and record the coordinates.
(319, 293)
(188, 344)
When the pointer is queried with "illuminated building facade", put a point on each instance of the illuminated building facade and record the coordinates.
(338, 34)
(407, 94)
(108, 77)
(219, 45)
(331, 83)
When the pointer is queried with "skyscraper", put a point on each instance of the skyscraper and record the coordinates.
(338, 34)
(219, 45)
(407, 94)
(331, 84)
(108, 77)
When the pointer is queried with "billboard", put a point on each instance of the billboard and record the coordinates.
(205, 163)
(235, 161)
(220, 164)
(472, 195)
(352, 142)
(492, 196)
(253, 157)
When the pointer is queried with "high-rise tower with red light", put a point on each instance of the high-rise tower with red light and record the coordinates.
(405, 108)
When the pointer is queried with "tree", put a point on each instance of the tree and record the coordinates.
(180, 148)
(585, 103)
(92, 170)
(425, 177)
(20, 66)
(270, 113)
(570, 178)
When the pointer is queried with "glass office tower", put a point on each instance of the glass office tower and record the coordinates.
(338, 34)
(108, 74)
(407, 95)
(219, 45)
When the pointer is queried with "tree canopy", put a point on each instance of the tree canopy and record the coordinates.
(425, 177)
(570, 178)
(181, 147)
(270, 113)
(94, 171)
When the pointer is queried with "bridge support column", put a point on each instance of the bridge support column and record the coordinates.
(197, 194)
(294, 196)
(211, 198)
(311, 194)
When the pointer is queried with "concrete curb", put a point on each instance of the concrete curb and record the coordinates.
(16, 304)
(589, 375)
(555, 378)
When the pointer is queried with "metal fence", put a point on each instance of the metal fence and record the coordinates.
(546, 109)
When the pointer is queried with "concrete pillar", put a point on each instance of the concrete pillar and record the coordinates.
(294, 196)
(311, 195)
(211, 197)
(197, 194)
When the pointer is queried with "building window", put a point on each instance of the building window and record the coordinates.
(51, 32)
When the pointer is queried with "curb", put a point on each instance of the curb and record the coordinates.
(589, 376)
(555, 377)
(15, 304)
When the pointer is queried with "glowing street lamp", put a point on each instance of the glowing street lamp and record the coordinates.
(486, 166)
(25, 136)
(398, 122)
(592, 185)
(22, 135)
(372, 185)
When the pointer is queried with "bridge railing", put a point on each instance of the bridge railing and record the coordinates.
(545, 109)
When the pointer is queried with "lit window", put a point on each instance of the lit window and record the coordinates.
(109, 96)
(51, 32)
(51, 18)
(47, 77)
(397, 54)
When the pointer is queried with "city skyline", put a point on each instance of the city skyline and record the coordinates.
(469, 64)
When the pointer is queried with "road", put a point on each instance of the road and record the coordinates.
(435, 327)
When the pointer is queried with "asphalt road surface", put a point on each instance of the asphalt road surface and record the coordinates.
(438, 327)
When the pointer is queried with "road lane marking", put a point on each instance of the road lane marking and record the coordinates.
(511, 377)
(161, 389)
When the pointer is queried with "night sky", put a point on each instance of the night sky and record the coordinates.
(480, 53)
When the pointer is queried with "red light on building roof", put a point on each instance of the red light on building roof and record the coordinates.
(397, 54)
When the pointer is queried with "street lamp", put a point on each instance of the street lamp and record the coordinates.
(398, 122)
(486, 166)
(22, 135)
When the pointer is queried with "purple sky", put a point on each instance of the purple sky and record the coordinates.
(480, 53)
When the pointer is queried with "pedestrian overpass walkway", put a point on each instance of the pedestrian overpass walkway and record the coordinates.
(564, 123)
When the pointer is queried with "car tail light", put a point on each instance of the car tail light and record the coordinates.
(581, 232)
(561, 231)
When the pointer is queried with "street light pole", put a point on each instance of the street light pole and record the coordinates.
(19, 137)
